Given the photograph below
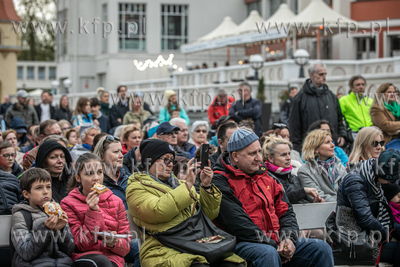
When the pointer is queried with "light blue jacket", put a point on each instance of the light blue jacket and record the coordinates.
(165, 116)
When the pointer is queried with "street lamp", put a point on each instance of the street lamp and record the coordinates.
(256, 62)
(301, 57)
(189, 65)
(67, 84)
(171, 69)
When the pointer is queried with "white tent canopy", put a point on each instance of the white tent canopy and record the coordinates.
(318, 11)
(283, 15)
(36, 92)
(226, 28)
(249, 24)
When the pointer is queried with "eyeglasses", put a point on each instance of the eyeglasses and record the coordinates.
(376, 143)
(199, 131)
(167, 161)
(171, 133)
(112, 138)
(7, 156)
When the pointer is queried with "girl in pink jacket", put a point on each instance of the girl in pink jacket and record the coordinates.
(89, 212)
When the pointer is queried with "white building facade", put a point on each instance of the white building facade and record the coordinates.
(134, 30)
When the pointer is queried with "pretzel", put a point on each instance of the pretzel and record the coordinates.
(99, 188)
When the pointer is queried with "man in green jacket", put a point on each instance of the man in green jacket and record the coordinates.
(355, 106)
(21, 109)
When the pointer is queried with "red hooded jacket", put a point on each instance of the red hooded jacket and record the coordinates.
(215, 111)
(111, 216)
(260, 197)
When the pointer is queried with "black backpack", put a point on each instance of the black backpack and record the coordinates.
(28, 220)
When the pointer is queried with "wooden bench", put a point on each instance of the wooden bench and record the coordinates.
(313, 216)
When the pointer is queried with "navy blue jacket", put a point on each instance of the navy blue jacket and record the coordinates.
(117, 112)
(356, 193)
(10, 192)
(4, 107)
(118, 188)
(252, 109)
(104, 123)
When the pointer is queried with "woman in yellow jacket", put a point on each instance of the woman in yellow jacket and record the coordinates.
(158, 202)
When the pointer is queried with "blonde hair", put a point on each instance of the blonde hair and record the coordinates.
(379, 95)
(313, 140)
(127, 131)
(364, 140)
(269, 146)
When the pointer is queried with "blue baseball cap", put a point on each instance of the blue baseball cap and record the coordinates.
(166, 127)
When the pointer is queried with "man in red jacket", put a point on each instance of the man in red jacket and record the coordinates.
(256, 210)
(220, 107)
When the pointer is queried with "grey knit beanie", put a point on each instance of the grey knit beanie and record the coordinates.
(241, 139)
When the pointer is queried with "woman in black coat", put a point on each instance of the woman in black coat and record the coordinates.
(55, 158)
(276, 156)
(64, 112)
(361, 205)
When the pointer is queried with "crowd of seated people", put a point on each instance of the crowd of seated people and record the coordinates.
(96, 164)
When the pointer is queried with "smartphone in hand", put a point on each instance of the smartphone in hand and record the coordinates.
(204, 151)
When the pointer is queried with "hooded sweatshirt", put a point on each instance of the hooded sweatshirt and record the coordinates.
(58, 184)
(46, 251)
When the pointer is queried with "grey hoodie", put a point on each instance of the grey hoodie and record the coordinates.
(39, 248)
(312, 175)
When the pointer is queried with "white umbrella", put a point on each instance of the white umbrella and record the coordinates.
(226, 28)
(283, 15)
(249, 24)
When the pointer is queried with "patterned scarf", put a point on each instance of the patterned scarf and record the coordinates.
(330, 167)
(276, 169)
(394, 107)
(172, 180)
(367, 172)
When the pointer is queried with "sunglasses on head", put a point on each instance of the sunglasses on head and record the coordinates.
(112, 138)
(199, 131)
(376, 143)
(171, 133)
(167, 161)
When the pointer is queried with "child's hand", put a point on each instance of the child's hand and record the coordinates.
(92, 200)
(111, 243)
(62, 222)
(51, 222)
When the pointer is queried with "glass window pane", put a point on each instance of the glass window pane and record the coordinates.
(52, 73)
(20, 72)
(42, 73)
(30, 75)
(131, 35)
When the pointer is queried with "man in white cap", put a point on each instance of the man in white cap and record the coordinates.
(23, 110)
(256, 210)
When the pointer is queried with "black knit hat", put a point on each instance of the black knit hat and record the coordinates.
(153, 149)
(390, 190)
(387, 165)
(46, 148)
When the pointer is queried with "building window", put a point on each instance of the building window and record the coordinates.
(274, 5)
(20, 72)
(395, 46)
(30, 74)
(174, 26)
(365, 48)
(132, 34)
(42, 73)
(52, 73)
(62, 37)
(105, 18)
(254, 6)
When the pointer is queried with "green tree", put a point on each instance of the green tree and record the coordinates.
(260, 89)
(37, 42)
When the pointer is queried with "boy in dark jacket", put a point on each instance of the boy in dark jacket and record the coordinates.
(49, 241)
(95, 106)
